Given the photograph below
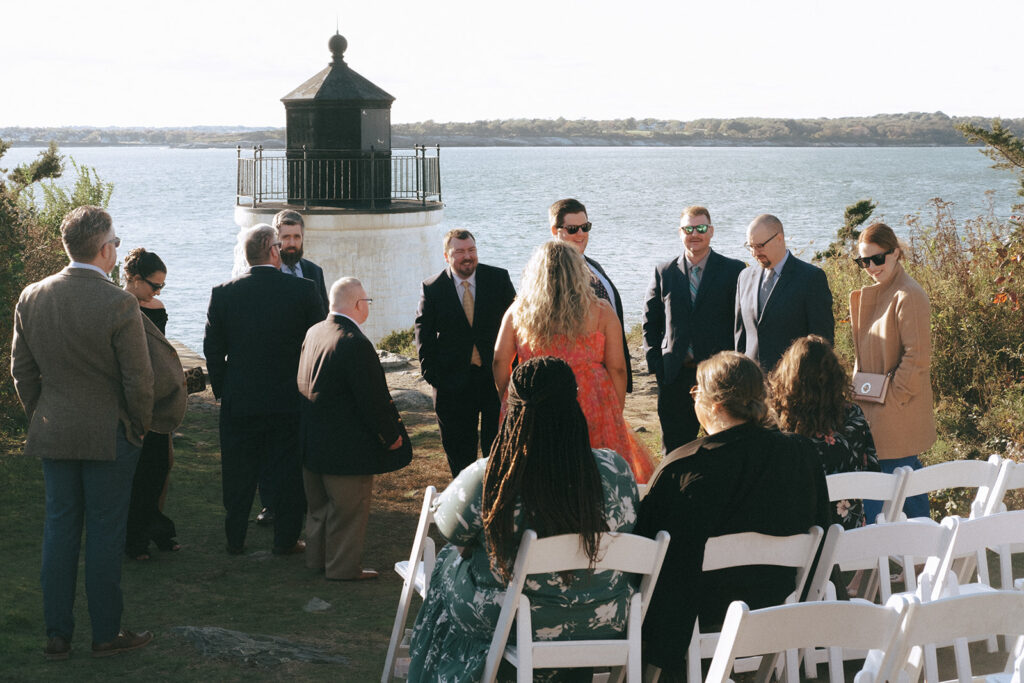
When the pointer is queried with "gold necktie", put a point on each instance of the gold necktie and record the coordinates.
(467, 306)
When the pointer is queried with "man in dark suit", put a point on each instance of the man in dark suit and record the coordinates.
(291, 231)
(688, 316)
(81, 369)
(457, 323)
(779, 300)
(350, 431)
(255, 325)
(569, 223)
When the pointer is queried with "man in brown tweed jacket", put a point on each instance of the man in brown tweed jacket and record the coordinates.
(82, 370)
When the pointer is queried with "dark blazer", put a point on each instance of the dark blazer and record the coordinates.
(312, 271)
(444, 338)
(800, 304)
(617, 302)
(746, 478)
(348, 417)
(255, 325)
(672, 322)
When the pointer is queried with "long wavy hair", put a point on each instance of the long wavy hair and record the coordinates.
(542, 462)
(555, 296)
(809, 388)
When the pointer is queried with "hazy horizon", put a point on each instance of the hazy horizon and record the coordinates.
(129, 65)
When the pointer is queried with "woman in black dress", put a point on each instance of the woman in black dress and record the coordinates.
(144, 276)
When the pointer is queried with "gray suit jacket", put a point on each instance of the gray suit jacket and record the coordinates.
(800, 304)
(81, 365)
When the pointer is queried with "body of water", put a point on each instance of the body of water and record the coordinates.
(180, 202)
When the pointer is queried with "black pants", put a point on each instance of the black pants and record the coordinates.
(251, 445)
(679, 423)
(461, 412)
(145, 521)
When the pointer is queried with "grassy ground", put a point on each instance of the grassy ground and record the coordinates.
(203, 586)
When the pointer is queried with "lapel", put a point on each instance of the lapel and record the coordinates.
(785, 279)
(453, 287)
(681, 286)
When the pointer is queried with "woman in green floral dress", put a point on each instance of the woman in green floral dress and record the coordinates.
(542, 475)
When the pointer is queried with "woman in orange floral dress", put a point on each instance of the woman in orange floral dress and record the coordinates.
(556, 313)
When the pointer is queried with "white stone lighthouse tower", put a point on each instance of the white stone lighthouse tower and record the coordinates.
(370, 211)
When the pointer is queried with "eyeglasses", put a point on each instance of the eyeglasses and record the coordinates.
(757, 247)
(573, 229)
(694, 390)
(369, 301)
(877, 259)
(688, 229)
(156, 286)
(275, 244)
(116, 242)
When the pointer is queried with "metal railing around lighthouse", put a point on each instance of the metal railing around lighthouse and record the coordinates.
(339, 177)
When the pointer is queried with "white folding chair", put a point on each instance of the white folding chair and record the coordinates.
(415, 573)
(618, 552)
(980, 474)
(957, 618)
(1011, 477)
(869, 548)
(750, 548)
(870, 486)
(834, 625)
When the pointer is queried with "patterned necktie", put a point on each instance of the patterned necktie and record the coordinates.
(467, 306)
(765, 291)
(695, 273)
(599, 288)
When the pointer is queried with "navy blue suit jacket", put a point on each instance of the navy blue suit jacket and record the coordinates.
(444, 339)
(255, 325)
(800, 304)
(312, 271)
(672, 322)
(617, 303)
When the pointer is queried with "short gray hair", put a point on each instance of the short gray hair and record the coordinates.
(289, 217)
(345, 293)
(258, 241)
(82, 232)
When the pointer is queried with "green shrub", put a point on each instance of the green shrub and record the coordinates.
(402, 342)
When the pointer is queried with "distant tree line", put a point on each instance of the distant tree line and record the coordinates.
(911, 129)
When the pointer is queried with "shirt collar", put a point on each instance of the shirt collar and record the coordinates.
(459, 280)
(89, 266)
(342, 315)
(699, 264)
(781, 264)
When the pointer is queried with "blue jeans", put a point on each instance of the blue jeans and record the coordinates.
(914, 506)
(98, 492)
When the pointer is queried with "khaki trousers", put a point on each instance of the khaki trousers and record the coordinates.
(339, 507)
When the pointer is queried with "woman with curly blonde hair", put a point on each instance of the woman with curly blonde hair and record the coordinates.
(810, 396)
(556, 313)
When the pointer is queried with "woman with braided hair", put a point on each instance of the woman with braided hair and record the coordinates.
(542, 475)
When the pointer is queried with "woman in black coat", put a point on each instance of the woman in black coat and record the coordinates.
(743, 476)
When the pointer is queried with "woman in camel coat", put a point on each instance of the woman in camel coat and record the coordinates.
(891, 324)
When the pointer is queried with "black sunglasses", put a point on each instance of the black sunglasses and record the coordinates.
(573, 229)
(877, 259)
(156, 287)
(701, 229)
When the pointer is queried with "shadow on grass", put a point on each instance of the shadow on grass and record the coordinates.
(256, 593)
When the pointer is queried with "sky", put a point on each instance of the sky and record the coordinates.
(225, 62)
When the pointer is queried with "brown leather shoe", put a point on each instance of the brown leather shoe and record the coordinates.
(364, 575)
(57, 649)
(124, 641)
(297, 549)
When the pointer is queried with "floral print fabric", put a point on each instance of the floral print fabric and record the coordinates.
(851, 449)
(454, 626)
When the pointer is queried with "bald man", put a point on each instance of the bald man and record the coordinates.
(780, 298)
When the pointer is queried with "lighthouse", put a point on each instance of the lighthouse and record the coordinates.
(370, 211)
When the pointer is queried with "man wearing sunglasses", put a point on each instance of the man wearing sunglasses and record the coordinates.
(688, 316)
(569, 223)
(780, 299)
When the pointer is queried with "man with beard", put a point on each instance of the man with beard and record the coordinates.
(688, 316)
(782, 299)
(290, 230)
(457, 324)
